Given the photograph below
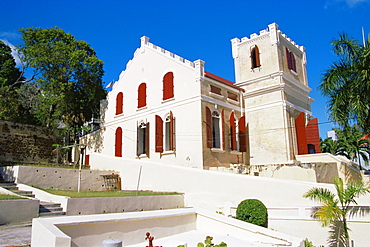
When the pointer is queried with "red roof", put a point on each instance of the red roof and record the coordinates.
(222, 80)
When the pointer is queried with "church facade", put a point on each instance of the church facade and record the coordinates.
(167, 109)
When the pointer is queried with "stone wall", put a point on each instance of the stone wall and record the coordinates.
(23, 143)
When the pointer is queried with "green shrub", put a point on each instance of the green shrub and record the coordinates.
(252, 211)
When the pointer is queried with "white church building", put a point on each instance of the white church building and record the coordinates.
(167, 109)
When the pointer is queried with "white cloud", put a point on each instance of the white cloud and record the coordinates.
(10, 35)
(14, 52)
(350, 3)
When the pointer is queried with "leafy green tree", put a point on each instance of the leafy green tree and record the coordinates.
(10, 107)
(68, 77)
(331, 146)
(9, 74)
(336, 207)
(347, 83)
(355, 147)
(350, 144)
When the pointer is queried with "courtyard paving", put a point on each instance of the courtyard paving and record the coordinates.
(16, 234)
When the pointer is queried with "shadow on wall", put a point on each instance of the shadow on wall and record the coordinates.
(7, 173)
(326, 172)
(94, 140)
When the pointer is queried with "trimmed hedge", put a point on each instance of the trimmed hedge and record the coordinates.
(252, 211)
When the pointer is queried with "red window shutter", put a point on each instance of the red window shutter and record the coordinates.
(147, 139)
(223, 128)
(215, 90)
(119, 103)
(172, 132)
(209, 128)
(168, 86)
(242, 135)
(141, 102)
(232, 131)
(158, 134)
(300, 127)
(87, 160)
(232, 96)
(257, 56)
(118, 142)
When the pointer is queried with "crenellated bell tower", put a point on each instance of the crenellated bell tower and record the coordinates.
(272, 70)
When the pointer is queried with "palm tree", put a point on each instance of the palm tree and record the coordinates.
(332, 146)
(347, 83)
(354, 146)
(336, 207)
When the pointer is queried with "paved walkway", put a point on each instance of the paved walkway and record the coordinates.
(16, 234)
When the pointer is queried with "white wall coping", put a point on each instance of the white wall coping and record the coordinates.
(203, 220)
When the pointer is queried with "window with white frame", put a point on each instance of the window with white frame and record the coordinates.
(143, 139)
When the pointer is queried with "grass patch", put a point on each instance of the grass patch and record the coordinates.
(91, 194)
(9, 197)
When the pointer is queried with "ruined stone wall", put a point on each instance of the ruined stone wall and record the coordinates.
(23, 143)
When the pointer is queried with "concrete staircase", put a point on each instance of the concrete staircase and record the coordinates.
(13, 188)
(46, 209)
(49, 209)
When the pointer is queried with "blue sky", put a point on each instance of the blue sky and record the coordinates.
(193, 29)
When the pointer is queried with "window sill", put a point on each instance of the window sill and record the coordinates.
(217, 150)
(119, 115)
(256, 69)
(232, 101)
(293, 72)
(142, 156)
(169, 152)
(142, 108)
(236, 152)
(216, 95)
(167, 100)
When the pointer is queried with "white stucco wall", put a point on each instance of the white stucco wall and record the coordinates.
(217, 191)
(149, 65)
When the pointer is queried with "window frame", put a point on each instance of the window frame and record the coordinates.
(255, 57)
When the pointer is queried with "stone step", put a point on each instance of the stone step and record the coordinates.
(9, 185)
(51, 214)
(50, 207)
(24, 193)
(47, 209)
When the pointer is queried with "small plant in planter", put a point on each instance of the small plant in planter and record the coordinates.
(208, 243)
(252, 211)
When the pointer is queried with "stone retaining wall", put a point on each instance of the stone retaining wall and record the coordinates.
(23, 143)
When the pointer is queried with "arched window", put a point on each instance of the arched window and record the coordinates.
(290, 60)
(255, 57)
(165, 133)
(168, 91)
(119, 103)
(142, 147)
(141, 100)
(214, 129)
(118, 143)
(169, 132)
